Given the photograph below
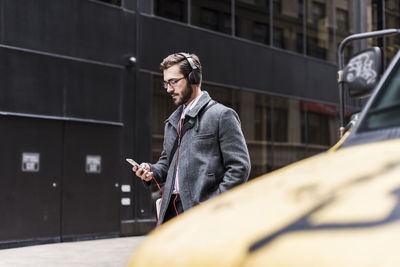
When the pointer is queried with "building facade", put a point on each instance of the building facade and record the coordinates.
(81, 91)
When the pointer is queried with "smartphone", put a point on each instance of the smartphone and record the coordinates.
(132, 162)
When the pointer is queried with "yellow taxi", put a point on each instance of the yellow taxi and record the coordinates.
(339, 208)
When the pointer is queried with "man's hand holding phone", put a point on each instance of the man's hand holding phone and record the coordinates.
(142, 170)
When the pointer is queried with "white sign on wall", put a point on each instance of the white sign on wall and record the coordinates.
(93, 164)
(126, 188)
(30, 162)
(125, 201)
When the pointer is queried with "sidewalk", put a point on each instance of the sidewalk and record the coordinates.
(105, 252)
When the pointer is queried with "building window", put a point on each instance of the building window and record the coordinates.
(215, 20)
(315, 48)
(252, 20)
(212, 15)
(342, 20)
(171, 9)
(278, 38)
(319, 124)
(318, 12)
(343, 25)
(260, 33)
(287, 24)
(209, 19)
(392, 16)
(384, 15)
(279, 125)
(277, 6)
(220, 94)
(162, 105)
(301, 9)
(318, 128)
(254, 111)
(321, 31)
(300, 43)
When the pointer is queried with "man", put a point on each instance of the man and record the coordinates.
(204, 151)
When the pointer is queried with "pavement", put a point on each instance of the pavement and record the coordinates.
(105, 252)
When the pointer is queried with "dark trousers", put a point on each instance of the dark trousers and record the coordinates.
(171, 212)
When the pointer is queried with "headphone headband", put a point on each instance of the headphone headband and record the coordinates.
(194, 75)
(189, 59)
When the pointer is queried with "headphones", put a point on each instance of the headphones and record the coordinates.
(194, 75)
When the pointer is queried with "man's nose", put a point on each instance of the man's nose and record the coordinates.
(169, 88)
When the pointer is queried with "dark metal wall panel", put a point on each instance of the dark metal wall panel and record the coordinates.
(41, 25)
(217, 54)
(93, 91)
(46, 85)
(77, 28)
(129, 37)
(142, 146)
(238, 63)
(244, 58)
(288, 74)
(1, 20)
(157, 40)
(30, 201)
(91, 201)
(321, 81)
(31, 83)
(67, 59)
(99, 32)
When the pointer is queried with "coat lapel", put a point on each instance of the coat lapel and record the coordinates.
(203, 101)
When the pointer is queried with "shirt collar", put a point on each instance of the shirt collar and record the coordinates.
(194, 101)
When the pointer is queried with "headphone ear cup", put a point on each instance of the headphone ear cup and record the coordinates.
(194, 76)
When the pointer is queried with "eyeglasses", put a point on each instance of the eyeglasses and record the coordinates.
(171, 82)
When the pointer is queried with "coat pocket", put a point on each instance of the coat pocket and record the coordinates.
(206, 136)
(205, 144)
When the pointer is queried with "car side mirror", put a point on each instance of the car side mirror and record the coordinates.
(363, 72)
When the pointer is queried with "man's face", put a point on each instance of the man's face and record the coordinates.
(178, 88)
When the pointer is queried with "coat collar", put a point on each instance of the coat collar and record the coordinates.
(175, 116)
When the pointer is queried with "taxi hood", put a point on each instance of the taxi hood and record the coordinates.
(340, 207)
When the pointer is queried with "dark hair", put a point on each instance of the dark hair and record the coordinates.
(184, 65)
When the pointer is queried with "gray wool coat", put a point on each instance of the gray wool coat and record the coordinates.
(213, 155)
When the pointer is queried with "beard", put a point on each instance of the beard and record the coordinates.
(185, 95)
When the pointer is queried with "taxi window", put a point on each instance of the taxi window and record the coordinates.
(385, 111)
